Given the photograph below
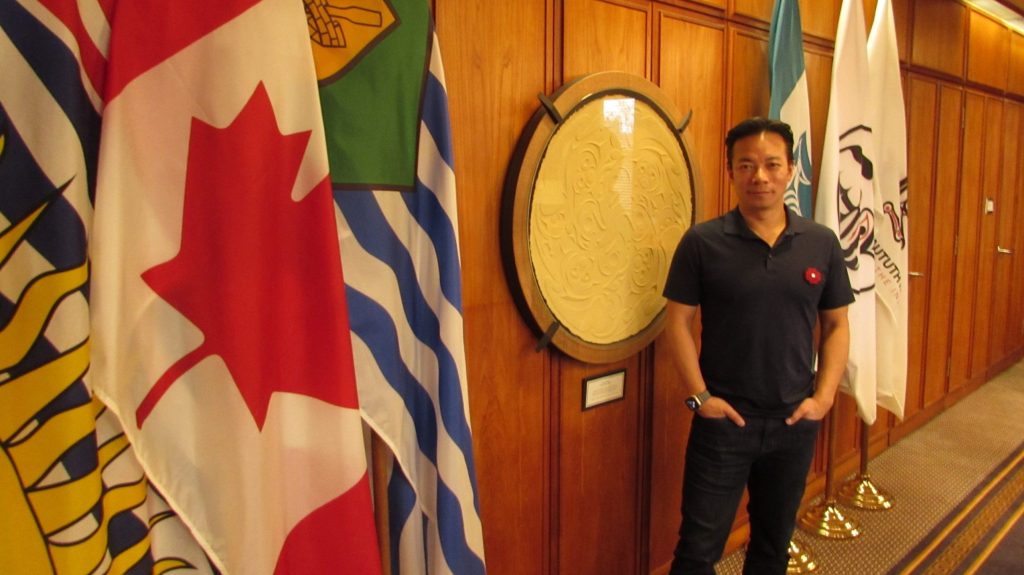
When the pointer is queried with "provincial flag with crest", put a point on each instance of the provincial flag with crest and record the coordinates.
(846, 197)
(220, 334)
(385, 111)
(789, 101)
(73, 497)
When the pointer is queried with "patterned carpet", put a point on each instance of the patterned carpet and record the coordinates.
(958, 490)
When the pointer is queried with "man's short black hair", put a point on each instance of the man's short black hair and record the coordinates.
(758, 125)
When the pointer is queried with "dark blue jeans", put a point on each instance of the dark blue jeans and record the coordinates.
(769, 458)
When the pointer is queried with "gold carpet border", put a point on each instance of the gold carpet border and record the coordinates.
(962, 546)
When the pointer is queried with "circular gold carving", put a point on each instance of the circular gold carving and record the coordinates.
(598, 195)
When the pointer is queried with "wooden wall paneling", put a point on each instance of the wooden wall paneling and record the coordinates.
(670, 429)
(901, 13)
(691, 71)
(599, 456)
(703, 5)
(1015, 79)
(869, 14)
(922, 100)
(988, 51)
(818, 64)
(756, 9)
(992, 183)
(969, 209)
(748, 85)
(943, 238)
(749, 88)
(939, 36)
(1015, 329)
(1000, 345)
(602, 35)
(819, 18)
(495, 65)
(847, 446)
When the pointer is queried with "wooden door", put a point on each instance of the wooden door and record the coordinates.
(1015, 325)
(1001, 344)
(922, 99)
(942, 262)
(991, 195)
(969, 208)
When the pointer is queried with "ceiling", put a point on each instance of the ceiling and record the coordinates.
(1017, 5)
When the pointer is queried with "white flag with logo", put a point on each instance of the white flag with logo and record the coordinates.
(846, 196)
(891, 291)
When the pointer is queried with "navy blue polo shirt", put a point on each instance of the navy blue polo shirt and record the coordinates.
(759, 305)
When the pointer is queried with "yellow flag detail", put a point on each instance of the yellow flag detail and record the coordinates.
(26, 395)
(35, 455)
(74, 558)
(22, 549)
(34, 309)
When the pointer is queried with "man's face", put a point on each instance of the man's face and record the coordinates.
(760, 171)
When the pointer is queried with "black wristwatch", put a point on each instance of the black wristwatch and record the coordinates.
(695, 401)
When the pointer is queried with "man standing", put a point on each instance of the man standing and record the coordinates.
(762, 277)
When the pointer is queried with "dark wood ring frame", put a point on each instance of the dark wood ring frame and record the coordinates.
(518, 194)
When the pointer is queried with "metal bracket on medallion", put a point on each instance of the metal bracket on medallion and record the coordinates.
(550, 107)
(686, 122)
(546, 338)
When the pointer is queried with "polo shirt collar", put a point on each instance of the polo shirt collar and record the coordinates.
(736, 225)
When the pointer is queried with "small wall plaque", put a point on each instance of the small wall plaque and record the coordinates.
(604, 389)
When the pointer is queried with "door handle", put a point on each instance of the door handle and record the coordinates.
(917, 274)
(1002, 250)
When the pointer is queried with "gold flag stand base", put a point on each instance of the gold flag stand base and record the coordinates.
(862, 494)
(827, 521)
(800, 559)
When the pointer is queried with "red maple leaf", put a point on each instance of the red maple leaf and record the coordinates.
(258, 273)
(144, 33)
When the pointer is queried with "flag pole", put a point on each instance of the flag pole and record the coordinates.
(381, 460)
(861, 492)
(825, 519)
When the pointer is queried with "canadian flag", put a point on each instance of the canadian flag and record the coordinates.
(221, 336)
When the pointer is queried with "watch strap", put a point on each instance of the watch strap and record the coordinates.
(695, 401)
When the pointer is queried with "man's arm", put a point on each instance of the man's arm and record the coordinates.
(682, 344)
(833, 351)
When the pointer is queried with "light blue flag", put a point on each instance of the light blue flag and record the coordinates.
(789, 101)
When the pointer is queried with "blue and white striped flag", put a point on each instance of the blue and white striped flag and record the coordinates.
(891, 268)
(789, 101)
(403, 284)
